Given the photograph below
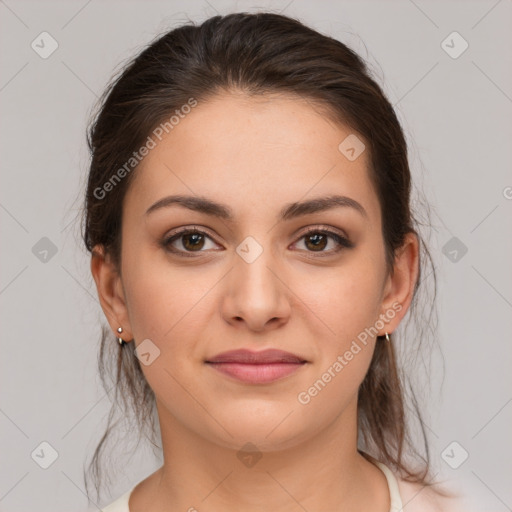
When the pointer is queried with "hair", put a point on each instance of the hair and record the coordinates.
(257, 54)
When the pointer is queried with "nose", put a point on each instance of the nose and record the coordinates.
(256, 294)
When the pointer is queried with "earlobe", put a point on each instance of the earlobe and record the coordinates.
(110, 292)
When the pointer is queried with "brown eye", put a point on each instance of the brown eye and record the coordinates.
(316, 240)
(186, 241)
(193, 241)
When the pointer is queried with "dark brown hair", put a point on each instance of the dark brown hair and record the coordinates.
(258, 54)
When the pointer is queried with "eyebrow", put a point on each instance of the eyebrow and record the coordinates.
(290, 211)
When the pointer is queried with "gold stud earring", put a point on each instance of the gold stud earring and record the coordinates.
(119, 339)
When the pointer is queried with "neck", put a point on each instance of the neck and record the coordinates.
(322, 472)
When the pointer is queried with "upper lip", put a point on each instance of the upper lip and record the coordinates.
(250, 357)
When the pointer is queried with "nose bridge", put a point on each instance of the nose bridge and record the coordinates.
(252, 273)
(256, 293)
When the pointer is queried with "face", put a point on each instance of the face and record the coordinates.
(272, 275)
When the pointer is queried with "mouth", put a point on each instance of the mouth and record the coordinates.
(256, 367)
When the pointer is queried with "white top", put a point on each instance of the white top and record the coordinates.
(121, 504)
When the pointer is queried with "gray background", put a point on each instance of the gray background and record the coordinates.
(456, 113)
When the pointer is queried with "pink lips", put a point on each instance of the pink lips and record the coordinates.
(256, 367)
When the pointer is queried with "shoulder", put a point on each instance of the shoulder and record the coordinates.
(119, 505)
(420, 498)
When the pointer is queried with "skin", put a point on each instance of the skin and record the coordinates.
(255, 155)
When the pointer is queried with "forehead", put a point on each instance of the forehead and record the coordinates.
(253, 150)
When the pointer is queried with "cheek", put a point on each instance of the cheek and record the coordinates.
(348, 307)
(347, 300)
(167, 309)
(348, 304)
(165, 303)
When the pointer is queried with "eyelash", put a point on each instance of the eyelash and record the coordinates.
(343, 242)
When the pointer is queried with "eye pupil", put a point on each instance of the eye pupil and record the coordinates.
(317, 240)
(196, 240)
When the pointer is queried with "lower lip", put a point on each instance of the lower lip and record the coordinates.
(257, 373)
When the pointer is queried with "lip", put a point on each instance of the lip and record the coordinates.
(256, 367)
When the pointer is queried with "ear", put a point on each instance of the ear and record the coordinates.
(399, 288)
(110, 292)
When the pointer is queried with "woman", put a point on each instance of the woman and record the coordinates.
(253, 248)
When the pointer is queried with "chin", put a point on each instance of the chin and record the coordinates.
(267, 433)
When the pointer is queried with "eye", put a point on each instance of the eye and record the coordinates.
(317, 239)
(188, 241)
